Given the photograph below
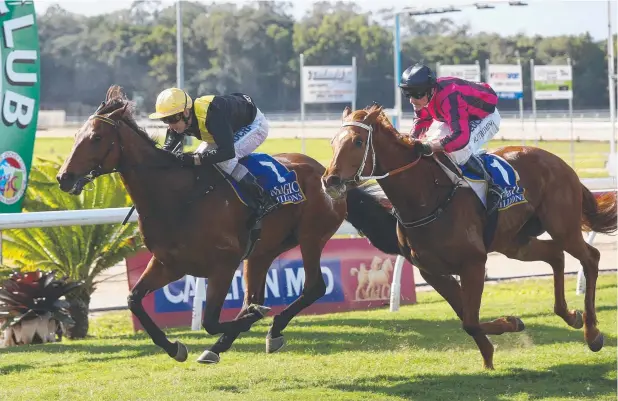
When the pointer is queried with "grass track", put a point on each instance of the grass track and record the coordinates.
(420, 353)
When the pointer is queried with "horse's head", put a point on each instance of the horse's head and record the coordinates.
(365, 133)
(98, 146)
(354, 153)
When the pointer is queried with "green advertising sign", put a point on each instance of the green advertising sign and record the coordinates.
(19, 99)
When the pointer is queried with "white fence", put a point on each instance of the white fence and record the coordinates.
(117, 215)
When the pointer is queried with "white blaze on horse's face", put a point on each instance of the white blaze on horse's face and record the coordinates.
(348, 148)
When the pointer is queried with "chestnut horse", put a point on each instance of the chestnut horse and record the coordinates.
(193, 223)
(440, 227)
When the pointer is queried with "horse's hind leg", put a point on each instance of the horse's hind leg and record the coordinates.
(589, 259)
(154, 277)
(450, 290)
(550, 252)
(565, 230)
(313, 289)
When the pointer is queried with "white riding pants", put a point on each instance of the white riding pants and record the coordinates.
(482, 131)
(246, 140)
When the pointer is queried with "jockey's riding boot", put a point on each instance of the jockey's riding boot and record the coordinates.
(264, 202)
(494, 192)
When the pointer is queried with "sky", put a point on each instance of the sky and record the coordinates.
(542, 17)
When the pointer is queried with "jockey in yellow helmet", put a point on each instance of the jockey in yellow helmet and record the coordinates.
(230, 126)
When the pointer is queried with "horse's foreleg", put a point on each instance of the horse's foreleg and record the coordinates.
(154, 277)
(450, 290)
(313, 289)
(472, 284)
(218, 286)
(254, 276)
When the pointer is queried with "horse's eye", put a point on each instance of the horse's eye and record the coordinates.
(96, 137)
(358, 143)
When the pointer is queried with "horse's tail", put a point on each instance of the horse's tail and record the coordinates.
(369, 212)
(599, 212)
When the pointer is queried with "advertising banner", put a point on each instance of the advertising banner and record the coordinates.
(357, 276)
(506, 80)
(553, 82)
(469, 72)
(329, 84)
(19, 99)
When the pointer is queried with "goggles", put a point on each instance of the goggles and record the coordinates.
(414, 93)
(173, 119)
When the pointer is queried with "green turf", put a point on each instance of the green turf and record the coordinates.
(590, 157)
(419, 353)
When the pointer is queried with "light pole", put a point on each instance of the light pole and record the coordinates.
(180, 65)
(611, 80)
(415, 11)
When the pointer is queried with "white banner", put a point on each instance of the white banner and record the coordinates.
(329, 84)
(553, 82)
(469, 72)
(506, 80)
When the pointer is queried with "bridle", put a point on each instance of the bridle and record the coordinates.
(98, 170)
(358, 176)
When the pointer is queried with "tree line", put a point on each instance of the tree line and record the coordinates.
(255, 49)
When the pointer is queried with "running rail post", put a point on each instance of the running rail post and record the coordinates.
(580, 287)
(396, 284)
(198, 298)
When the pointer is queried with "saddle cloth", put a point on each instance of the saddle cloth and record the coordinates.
(503, 175)
(273, 177)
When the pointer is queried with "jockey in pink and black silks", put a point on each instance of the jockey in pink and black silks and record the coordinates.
(468, 115)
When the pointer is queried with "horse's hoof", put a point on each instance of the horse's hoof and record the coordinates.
(261, 309)
(274, 344)
(182, 353)
(579, 320)
(597, 343)
(519, 325)
(208, 357)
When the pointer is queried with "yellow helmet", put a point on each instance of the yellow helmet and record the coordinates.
(171, 101)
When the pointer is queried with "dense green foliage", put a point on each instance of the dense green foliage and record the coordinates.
(254, 48)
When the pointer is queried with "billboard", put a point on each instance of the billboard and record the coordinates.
(506, 80)
(469, 72)
(553, 82)
(19, 99)
(357, 276)
(329, 84)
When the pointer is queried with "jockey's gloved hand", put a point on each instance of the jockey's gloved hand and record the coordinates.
(186, 159)
(425, 149)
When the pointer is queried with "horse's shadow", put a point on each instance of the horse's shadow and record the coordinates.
(316, 336)
(490, 386)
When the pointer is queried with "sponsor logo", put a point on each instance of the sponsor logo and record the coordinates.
(13, 177)
(283, 285)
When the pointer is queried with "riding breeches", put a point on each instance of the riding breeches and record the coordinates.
(246, 140)
(481, 132)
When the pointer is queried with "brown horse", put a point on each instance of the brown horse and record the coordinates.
(193, 223)
(441, 227)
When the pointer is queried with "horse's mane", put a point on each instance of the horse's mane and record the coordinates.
(116, 99)
(384, 121)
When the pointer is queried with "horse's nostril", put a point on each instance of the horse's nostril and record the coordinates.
(64, 177)
(333, 180)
